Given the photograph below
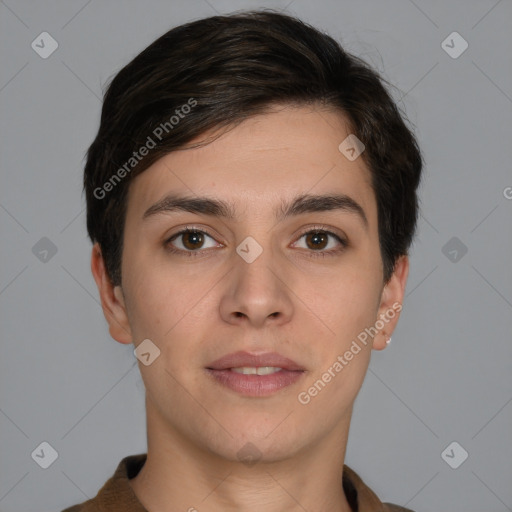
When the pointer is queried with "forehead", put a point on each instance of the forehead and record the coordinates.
(263, 161)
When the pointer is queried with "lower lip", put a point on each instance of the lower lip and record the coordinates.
(256, 385)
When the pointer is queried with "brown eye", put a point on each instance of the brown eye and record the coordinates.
(317, 240)
(190, 241)
(321, 242)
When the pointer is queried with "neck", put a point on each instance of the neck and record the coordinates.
(181, 475)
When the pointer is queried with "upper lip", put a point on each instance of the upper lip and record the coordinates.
(245, 359)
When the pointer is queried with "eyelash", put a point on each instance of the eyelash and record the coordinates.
(198, 253)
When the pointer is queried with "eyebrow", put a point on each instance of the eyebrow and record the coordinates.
(305, 203)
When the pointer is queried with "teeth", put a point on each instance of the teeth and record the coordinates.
(261, 370)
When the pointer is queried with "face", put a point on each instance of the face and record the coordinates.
(299, 279)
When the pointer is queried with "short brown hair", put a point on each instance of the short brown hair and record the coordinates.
(218, 71)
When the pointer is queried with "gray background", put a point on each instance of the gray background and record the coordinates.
(446, 375)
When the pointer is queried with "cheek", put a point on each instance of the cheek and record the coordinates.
(347, 302)
(154, 294)
(343, 353)
(169, 308)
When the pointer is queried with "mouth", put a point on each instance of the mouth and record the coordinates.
(256, 370)
(255, 375)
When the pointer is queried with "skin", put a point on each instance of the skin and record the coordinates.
(197, 309)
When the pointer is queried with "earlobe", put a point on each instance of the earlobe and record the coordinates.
(391, 303)
(112, 299)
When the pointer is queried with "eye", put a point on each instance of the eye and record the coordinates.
(189, 240)
(192, 242)
(323, 242)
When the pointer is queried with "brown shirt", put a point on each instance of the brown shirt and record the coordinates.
(118, 496)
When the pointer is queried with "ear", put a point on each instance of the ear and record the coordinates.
(112, 299)
(391, 303)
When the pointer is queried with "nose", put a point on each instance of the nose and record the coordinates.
(257, 293)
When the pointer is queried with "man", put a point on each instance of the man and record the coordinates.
(251, 197)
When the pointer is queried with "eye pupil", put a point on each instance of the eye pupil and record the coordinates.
(194, 237)
(319, 239)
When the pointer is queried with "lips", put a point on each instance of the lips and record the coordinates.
(246, 360)
(255, 375)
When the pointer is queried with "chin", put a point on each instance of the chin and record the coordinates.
(251, 442)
